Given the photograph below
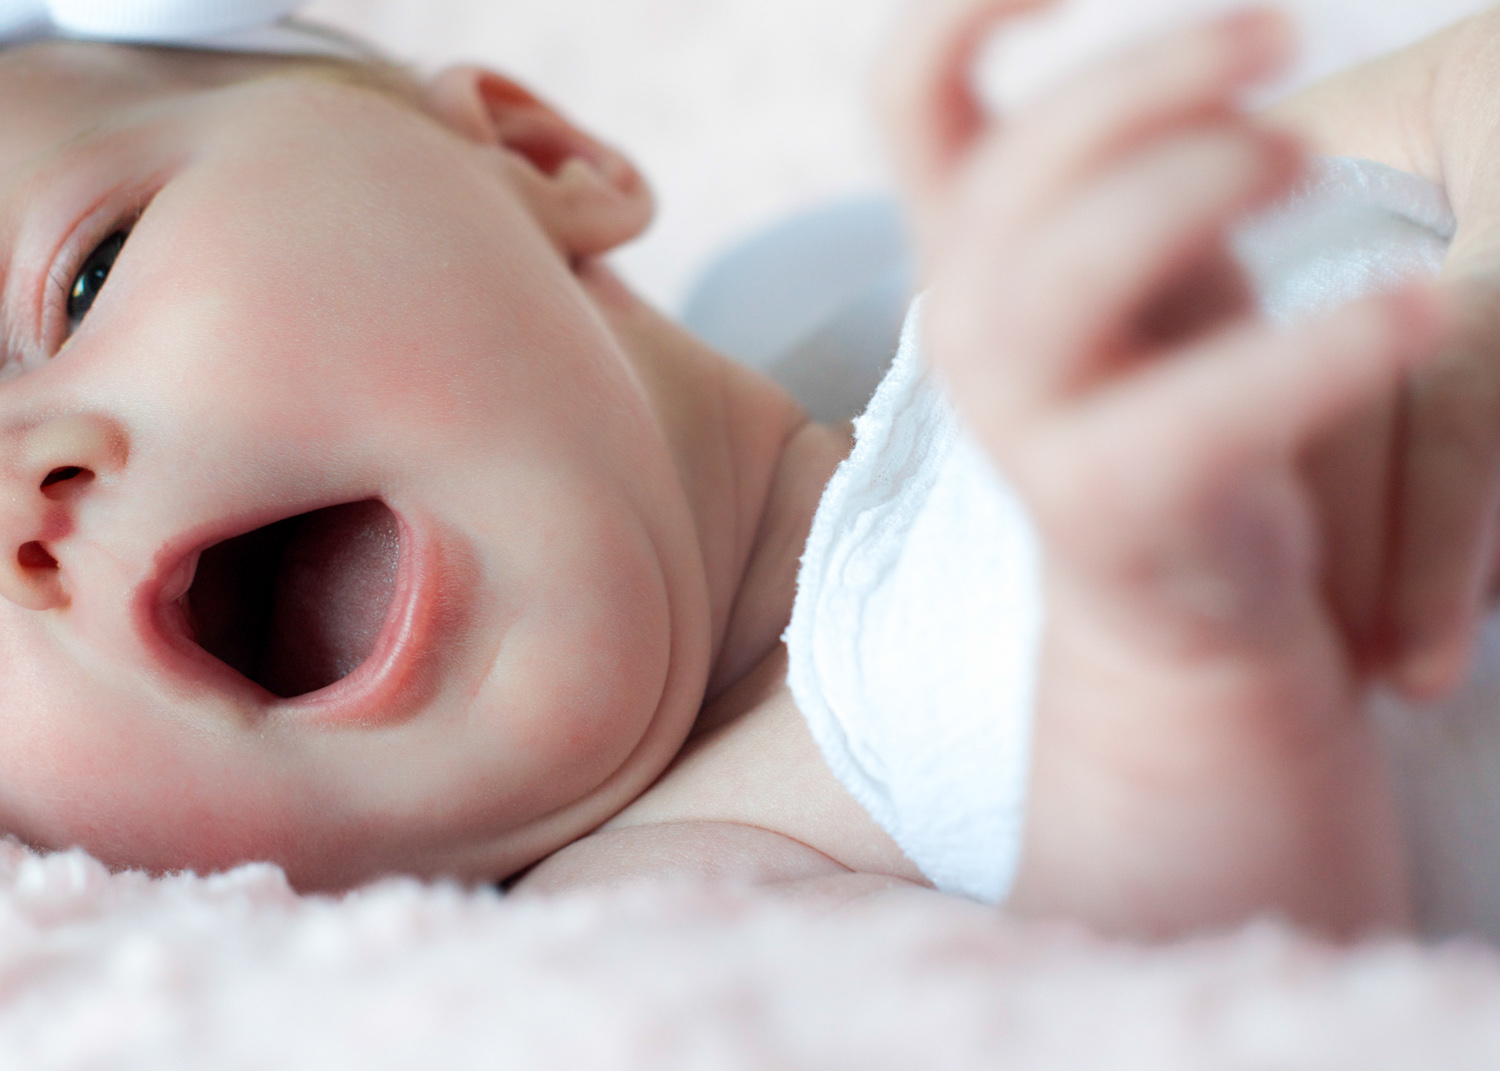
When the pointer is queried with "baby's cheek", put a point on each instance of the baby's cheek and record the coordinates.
(579, 679)
(87, 761)
(69, 776)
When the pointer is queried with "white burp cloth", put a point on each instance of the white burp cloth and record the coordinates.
(1353, 228)
(222, 25)
(917, 627)
(915, 634)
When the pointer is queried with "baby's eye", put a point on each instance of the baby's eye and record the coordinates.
(90, 278)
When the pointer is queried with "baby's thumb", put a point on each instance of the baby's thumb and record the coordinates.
(926, 98)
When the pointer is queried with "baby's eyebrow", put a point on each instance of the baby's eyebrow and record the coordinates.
(39, 163)
(34, 173)
(31, 183)
(89, 132)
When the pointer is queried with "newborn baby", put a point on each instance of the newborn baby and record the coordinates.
(358, 518)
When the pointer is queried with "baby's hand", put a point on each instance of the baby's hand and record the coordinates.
(1428, 456)
(1200, 754)
(1444, 553)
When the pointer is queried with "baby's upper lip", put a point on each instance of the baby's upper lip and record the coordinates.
(176, 563)
(159, 612)
(178, 579)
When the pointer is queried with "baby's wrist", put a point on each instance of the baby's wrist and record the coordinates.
(1382, 110)
(1457, 120)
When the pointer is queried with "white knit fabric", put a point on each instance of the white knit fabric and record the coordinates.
(145, 20)
(226, 25)
(916, 631)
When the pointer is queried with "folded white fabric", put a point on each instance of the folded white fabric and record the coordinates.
(915, 634)
(225, 25)
(918, 620)
(1353, 228)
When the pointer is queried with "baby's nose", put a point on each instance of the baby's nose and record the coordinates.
(47, 467)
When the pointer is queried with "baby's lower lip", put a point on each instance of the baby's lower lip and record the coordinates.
(399, 674)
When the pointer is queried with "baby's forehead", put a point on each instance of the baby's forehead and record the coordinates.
(56, 90)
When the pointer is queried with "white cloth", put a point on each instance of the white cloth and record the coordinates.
(916, 629)
(1352, 229)
(224, 25)
(915, 633)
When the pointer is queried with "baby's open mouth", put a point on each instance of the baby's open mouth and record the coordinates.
(299, 604)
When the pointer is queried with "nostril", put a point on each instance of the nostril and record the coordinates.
(34, 557)
(59, 475)
(72, 475)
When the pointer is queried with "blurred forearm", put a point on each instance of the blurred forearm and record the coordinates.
(1384, 109)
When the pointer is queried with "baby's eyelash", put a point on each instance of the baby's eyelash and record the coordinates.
(91, 276)
(56, 321)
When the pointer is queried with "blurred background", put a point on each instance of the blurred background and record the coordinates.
(736, 110)
(742, 111)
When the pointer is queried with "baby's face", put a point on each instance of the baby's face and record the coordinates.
(324, 300)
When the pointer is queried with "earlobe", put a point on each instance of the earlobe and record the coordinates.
(588, 197)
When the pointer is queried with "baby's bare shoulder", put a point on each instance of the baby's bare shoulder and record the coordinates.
(692, 850)
(749, 800)
(711, 852)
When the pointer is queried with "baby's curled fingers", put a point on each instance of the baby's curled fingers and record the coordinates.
(934, 121)
(1448, 496)
(1190, 77)
(1149, 456)
(925, 92)
(1025, 326)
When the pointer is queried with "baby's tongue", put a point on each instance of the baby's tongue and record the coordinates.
(337, 576)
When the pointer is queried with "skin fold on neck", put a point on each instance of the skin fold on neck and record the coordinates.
(751, 462)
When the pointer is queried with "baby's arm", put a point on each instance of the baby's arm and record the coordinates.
(1200, 753)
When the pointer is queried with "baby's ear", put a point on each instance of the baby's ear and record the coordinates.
(586, 196)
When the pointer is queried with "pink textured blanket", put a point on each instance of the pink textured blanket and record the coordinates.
(101, 971)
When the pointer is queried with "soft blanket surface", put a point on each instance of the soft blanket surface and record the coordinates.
(235, 971)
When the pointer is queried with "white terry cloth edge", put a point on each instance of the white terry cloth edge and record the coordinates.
(1353, 228)
(220, 25)
(915, 634)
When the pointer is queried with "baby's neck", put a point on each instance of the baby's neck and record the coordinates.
(751, 463)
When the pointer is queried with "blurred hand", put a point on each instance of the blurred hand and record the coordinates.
(1411, 485)
(1200, 749)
